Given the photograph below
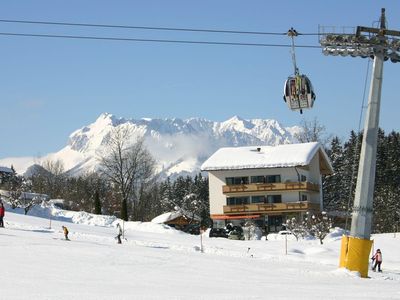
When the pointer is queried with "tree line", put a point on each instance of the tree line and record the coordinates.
(339, 188)
(126, 185)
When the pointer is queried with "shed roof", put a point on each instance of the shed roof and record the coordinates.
(5, 170)
(170, 216)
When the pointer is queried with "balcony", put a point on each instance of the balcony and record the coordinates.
(271, 187)
(257, 208)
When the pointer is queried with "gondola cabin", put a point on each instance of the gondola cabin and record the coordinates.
(299, 93)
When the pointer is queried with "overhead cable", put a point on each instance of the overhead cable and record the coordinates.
(151, 40)
(147, 27)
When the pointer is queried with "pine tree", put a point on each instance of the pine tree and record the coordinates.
(351, 158)
(97, 203)
(334, 199)
(166, 196)
(382, 185)
(394, 167)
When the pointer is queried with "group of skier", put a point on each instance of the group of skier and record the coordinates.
(118, 237)
(376, 258)
(64, 228)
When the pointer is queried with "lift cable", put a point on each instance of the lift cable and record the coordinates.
(292, 33)
(152, 40)
(147, 27)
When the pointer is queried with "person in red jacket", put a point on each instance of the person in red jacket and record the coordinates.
(378, 260)
(2, 211)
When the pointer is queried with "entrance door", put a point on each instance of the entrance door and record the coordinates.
(275, 223)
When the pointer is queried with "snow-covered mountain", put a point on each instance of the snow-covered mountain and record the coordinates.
(179, 146)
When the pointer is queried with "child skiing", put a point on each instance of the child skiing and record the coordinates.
(378, 260)
(2, 211)
(119, 234)
(65, 229)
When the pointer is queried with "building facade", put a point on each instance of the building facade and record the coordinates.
(267, 184)
(5, 174)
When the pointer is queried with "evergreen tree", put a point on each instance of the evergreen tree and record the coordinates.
(202, 191)
(334, 199)
(97, 203)
(351, 158)
(166, 196)
(382, 185)
(341, 185)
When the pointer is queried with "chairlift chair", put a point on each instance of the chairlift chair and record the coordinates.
(298, 92)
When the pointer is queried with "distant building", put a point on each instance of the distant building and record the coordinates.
(5, 170)
(267, 184)
(177, 219)
(26, 196)
(5, 174)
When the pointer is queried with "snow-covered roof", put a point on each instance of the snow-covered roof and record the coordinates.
(169, 216)
(261, 157)
(5, 170)
(166, 217)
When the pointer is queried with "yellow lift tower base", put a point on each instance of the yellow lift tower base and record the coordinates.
(354, 254)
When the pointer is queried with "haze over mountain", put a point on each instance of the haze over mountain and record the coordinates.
(179, 146)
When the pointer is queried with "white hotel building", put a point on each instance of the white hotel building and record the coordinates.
(267, 184)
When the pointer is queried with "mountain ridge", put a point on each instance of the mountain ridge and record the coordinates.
(180, 146)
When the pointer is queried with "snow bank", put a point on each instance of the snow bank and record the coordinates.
(150, 264)
(150, 227)
(280, 237)
(50, 211)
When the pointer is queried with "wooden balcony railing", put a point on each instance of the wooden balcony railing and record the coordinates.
(271, 187)
(270, 207)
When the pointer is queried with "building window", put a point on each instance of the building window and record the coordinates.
(273, 178)
(230, 201)
(258, 199)
(304, 197)
(257, 179)
(303, 178)
(274, 198)
(237, 200)
(266, 179)
(236, 180)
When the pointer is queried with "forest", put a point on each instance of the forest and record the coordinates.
(128, 187)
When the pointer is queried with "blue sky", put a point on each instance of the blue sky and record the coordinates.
(51, 87)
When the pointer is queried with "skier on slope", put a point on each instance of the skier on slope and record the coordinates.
(2, 211)
(119, 231)
(378, 260)
(65, 229)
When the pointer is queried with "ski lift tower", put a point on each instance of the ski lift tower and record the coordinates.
(380, 44)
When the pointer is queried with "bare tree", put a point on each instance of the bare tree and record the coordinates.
(319, 225)
(312, 131)
(296, 227)
(20, 195)
(49, 177)
(55, 167)
(128, 166)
